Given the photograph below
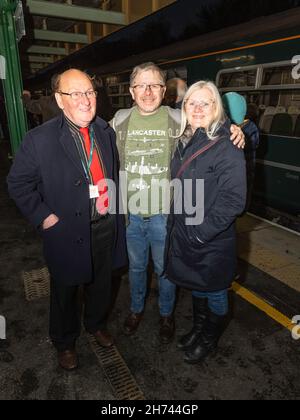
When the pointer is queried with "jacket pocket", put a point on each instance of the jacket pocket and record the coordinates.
(52, 229)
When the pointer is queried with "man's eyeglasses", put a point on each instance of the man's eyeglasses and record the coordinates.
(76, 96)
(154, 87)
(202, 104)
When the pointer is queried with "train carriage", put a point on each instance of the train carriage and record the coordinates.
(256, 55)
(268, 75)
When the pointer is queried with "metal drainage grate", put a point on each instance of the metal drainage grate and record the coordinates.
(116, 371)
(36, 283)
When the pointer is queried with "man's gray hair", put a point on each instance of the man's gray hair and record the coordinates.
(146, 67)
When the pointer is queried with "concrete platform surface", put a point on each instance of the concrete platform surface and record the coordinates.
(257, 357)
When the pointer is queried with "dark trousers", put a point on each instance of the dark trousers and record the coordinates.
(64, 300)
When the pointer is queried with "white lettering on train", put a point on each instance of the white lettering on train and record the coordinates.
(296, 69)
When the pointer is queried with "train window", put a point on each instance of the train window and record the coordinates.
(118, 91)
(115, 101)
(276, 112)
(124, 88)
(113, 89)
(238, 79)
(180, 72)
(272, 95)
(279, 76)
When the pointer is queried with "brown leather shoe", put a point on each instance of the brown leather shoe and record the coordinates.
(132, 322)
(104, 338)
(67, 359)
(167, 329)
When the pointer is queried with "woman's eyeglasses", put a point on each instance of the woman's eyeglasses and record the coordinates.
(201, 104)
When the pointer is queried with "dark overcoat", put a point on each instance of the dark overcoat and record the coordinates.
(47, 177)
(202, 255)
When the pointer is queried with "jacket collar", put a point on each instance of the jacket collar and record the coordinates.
(69, 146)
(103, 124)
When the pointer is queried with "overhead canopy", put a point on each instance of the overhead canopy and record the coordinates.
(60, 36)
(72, 24)
(66, 11)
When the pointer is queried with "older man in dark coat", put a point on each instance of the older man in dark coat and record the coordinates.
(58, 180)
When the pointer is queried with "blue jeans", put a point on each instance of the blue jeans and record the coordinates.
(217, 301)
(141, 235)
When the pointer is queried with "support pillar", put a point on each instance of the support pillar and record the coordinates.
(10, 73)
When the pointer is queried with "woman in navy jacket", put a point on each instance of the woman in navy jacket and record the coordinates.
(201, 246)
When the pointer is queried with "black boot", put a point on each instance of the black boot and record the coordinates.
(208, 340)
(199, 317)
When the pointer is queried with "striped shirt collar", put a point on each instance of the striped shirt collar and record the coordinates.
(79, 142)
(72, 125)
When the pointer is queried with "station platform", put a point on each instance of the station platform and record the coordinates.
(271, 248)
(258, 358)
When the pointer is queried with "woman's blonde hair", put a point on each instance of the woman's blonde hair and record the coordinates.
(219, 114)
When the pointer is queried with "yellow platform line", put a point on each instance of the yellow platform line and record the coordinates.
(263, 306)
